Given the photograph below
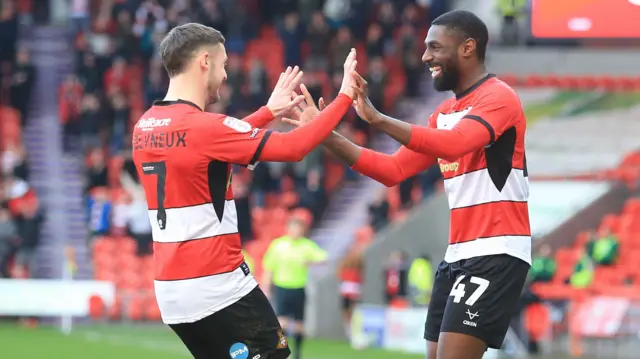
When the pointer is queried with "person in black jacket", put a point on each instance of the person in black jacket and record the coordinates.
(29, 223)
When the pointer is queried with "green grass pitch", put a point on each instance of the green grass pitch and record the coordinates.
(138, 342)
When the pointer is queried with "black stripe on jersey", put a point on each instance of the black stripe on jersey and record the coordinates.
(217, 178)
(479, 169)
(263, 141)
(492, 133)
(178, 101)
(475, 86)
(497, 235)
(485, 203)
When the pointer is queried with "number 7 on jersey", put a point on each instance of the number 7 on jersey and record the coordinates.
(159, 169)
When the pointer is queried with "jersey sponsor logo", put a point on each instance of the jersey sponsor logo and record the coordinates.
(239, 351)
(447, 167)
(148, 124)
(469, 323)
(254, 133)
(236, 124)
(160, 140)
(472, 316)
(282, 340)
(447, 121)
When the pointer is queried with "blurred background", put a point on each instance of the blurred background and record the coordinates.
(75, 257)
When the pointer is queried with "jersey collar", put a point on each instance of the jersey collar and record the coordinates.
(475, 86)
(178, 101)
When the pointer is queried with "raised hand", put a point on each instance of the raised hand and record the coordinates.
(361, 102)
(348, 80)
(306, 111)
(281, 102)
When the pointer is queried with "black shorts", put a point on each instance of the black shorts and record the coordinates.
(477, 297)
(290, 303)
(243, 330)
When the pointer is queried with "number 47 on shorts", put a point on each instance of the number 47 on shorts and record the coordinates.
(458, 290)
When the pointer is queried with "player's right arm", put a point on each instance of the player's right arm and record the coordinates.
(389, 170)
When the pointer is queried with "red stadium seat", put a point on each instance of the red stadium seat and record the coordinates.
(97, 309)
(151, 310)
(135, 308)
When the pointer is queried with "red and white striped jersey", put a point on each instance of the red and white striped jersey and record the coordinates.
(488, 189)
(183, 157)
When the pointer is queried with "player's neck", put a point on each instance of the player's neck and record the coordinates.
(466, 82)
(182, 88)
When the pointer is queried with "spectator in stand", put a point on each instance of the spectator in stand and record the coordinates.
(429, 179)
(14, 161)
(8, 240)
(582, 275)
(236, 78)
(604, 248)
(80, 21)
(258, 82)
(341, 46)
(410, 61)
(543, 267)
(124, 38)
(99, 213)
(262, 184)
(411, 16)
(91, 122)
(387, 20)
(89, 74)
(117, 122)
(405, 190)
(116, 79)
(312, 194)
(70, 100)
(319, 39)
(292, 35)
(97, 175)
(374, 44)
(22, 80)
(379, 211)
(377, 78)
(156, 84)
(139, 226)
(8, 33)
(29, 223)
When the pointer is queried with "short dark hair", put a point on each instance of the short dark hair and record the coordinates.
(469, 26)
(179, 45)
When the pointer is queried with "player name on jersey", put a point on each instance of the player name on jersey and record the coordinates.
(160, 140)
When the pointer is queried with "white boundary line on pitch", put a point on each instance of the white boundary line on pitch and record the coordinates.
(121, 340)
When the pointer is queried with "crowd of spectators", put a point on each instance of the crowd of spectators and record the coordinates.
(21, 215)
(118, 74)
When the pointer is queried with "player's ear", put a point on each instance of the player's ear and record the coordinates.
(468, 47)
(204, 60)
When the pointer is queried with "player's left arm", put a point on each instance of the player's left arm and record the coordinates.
(487, 120)
(260, 118)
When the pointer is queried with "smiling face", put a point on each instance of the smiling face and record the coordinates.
(445, 54)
